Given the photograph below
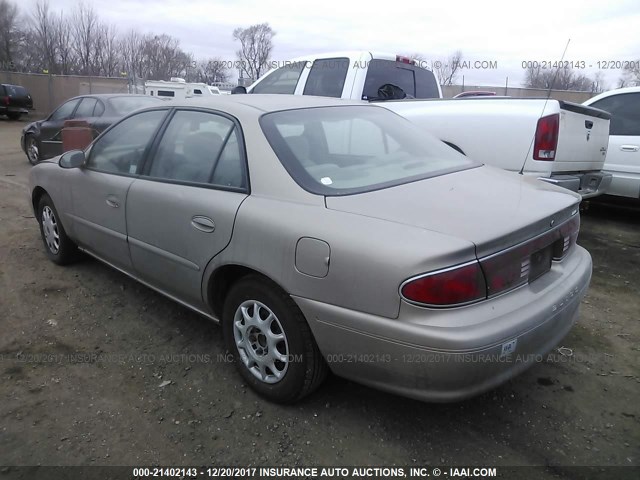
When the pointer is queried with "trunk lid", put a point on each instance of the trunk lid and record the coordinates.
(490, 207)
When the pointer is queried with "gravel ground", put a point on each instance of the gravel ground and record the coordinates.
(86, 355)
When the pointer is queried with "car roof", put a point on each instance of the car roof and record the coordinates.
(110, 95)
(610, 93)
(262, 102)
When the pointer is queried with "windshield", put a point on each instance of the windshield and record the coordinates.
(351, 149)
(124, 105)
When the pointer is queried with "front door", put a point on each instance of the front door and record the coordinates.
(99, 189)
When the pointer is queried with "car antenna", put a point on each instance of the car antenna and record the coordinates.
(544, 107)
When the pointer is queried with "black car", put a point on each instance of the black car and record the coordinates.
(43, 139)
(15, 101)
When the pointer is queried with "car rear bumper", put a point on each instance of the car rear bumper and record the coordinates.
(588, 185)
(12, 109)
(451, 354)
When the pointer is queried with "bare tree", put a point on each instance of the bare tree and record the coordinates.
(85, 28)
(44, 37)
(256, 44)
(630, 75)
(447, 69)
(67, 60)
(106, 50)
(563, 79)
(212, 70)
(10, 34)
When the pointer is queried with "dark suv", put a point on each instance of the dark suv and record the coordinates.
(14, 101)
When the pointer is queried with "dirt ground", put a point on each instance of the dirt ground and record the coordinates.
(84, 350)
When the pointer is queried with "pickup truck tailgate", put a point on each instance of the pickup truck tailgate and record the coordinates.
(583, 138)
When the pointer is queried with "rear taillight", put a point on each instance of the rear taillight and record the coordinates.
(546, 141)
(494, 274)
(445, 288)
(6, 100)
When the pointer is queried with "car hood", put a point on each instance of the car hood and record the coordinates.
(492, 208)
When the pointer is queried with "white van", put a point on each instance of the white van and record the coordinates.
(178, 88)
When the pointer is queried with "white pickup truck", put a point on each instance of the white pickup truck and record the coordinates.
(623, 158)
(559, 142)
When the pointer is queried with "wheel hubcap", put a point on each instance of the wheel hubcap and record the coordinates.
(32, 150)
(50, 230)
(261, 341)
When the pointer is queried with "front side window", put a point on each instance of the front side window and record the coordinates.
(326, 78)
(121, 149)
(624, 110)
(351, 149)
(65, 110)
(200, 147)
(283, 80)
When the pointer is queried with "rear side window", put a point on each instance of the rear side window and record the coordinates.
(199, 147)
(327, 76)
(86, 107)
(121, 149)
(415, 81)
(625, 113)
(283, 80)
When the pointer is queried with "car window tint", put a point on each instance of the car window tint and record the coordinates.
(625, 119)
(85, 109)
(99, 109)
(327, 77)
(191, 149)
(283, 80)
(65, 110)
(121, 149)
(415, 81)
(230, 170)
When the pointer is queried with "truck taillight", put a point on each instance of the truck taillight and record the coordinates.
(6, 100)
(546, 141)
(458, 285)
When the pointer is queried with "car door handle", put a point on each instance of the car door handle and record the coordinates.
(204, 224)
(629, 148)
(112, 202)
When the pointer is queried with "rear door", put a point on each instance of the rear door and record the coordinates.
(181, 211)
(623, 157)
(99, 190)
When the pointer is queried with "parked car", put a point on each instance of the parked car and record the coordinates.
(623, 157)
(43, 139)
(325, 234)
(15, 101)
(559, 142)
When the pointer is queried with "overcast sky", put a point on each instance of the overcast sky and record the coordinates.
(506, 32)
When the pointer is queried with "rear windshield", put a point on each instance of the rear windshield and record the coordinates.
(342, 150)
(415, 81)
(16, 91)
(125, 105)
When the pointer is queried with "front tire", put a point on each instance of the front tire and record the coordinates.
(32, 149)
(59, 247)
(271, 342)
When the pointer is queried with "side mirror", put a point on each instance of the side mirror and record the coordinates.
(238, 90)
(72, 159)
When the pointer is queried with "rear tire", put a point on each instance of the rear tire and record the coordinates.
(271, 342)
(58, 246)
(14, 116)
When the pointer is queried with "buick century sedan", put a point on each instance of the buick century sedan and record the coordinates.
(325, 236)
